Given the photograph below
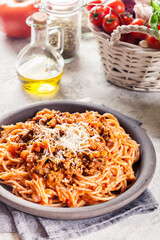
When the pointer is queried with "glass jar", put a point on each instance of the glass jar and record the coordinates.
(39, 65)
(67, 15)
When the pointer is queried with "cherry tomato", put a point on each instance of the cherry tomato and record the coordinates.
(138, 35)
(13, 15)
(90, 5)
(117, 6)
(96, 15)
(110, 22)
(153, 42)
(126, 20)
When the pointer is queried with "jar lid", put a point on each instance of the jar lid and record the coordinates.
(61, 6)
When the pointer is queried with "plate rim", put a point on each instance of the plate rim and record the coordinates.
(86, 211)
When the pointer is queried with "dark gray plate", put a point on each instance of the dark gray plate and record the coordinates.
(144, 169)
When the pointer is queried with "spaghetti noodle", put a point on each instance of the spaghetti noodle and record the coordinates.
(62, 159)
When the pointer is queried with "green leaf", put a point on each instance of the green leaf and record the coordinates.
(153, 22)
(155, 4)
(155, 17)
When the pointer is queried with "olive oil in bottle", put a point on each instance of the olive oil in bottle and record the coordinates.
(40, 65)
(40, 74)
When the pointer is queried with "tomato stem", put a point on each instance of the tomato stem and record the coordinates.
(119, 15)
(95, 14)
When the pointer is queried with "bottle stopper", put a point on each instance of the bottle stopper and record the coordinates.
(40, 18)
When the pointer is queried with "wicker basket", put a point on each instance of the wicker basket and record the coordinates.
(127, 65)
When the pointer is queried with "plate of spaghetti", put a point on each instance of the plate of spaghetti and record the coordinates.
(72, 160)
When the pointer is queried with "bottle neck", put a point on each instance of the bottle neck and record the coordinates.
(39, 36)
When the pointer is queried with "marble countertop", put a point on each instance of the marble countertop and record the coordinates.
(85, 78)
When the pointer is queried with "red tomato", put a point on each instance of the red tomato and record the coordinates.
(96, 15)
(126, 20)
(117, 6)
(110, 22)
(90, 5)
(137, 35)
(13, 15)
(153, 42)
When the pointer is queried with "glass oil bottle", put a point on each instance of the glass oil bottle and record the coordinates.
(39, 65)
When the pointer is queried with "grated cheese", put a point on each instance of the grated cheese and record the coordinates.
(75, 137)
(67, 137)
